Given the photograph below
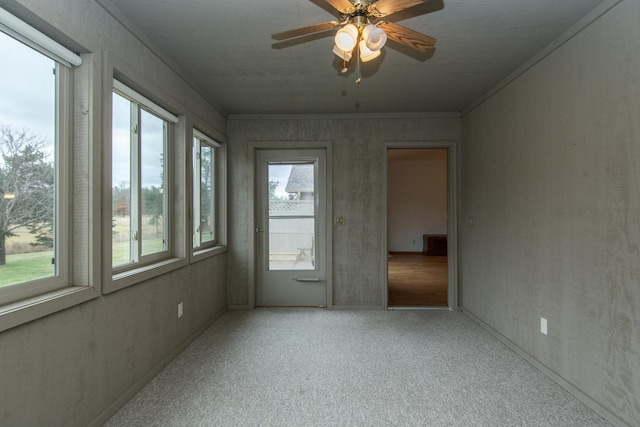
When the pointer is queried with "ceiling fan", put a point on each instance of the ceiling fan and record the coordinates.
(363, 31)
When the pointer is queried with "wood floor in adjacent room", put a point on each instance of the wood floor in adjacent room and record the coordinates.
(417, 280)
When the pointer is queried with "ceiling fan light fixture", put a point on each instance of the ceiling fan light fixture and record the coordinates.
(347, 38)
(360, 34)
(342, 54)
(375, 37)
(367, 54)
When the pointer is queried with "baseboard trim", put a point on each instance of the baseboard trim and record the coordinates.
(239, 307)
(134, 389)
(575, 391)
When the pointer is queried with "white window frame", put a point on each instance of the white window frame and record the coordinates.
(200, 139)
(20, 291)
(27, 301)
(142, 103)
(202, 131)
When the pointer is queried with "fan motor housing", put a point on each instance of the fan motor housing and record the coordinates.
(361, 14)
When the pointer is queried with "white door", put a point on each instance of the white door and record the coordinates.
(291, 228)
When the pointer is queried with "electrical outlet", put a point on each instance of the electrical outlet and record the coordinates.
(340, 220)
(180, 310)
(543, 325)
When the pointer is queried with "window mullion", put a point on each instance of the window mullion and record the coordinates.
(166, 181)
(58, 178)
(135, 219)
(197, 220)
(214, 192)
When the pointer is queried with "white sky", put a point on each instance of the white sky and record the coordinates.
(280, 173)
(27, 90)
(120, 136)
(152, 138)
(27, 101)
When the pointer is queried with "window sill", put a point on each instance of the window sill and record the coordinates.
(18, 313)
(208, 252)
(131, 277)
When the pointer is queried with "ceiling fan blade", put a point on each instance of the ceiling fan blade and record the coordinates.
(342, 6)
(387, 7)
(403, 35)
(305, 30)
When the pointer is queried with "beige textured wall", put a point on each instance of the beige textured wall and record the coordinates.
(358, 146)
(73, 367)
(551, 175)
(70, 367)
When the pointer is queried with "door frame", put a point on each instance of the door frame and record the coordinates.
(452, 216)
(253, 146)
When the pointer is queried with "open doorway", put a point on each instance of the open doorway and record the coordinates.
(417, 225)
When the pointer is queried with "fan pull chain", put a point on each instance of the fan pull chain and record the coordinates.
(358, 64)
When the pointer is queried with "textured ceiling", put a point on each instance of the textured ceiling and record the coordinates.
(225, 49)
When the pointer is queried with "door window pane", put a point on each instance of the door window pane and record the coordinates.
(292, 221)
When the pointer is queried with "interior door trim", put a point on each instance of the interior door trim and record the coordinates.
(253, 146)
(452, 216)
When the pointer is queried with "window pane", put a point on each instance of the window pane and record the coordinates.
(121, 179)
(152, 137)
(27, 164)
(207, 213)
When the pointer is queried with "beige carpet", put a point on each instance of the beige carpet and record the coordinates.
(315, 367)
